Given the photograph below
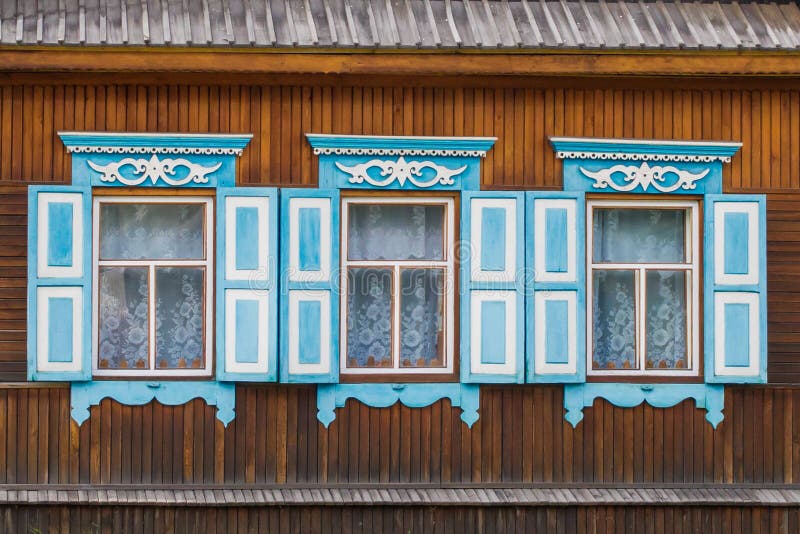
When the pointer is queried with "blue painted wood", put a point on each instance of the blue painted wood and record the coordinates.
(309, 322)
(267, 284)
(575, 179)
(247, 230)
(466, 286)
(555, 246)
(620, 147)
(331, 285)
(737, 335)
(493, 328)
(710, 287)
(247, 331)
(154, 140)
(535, 284)
(60, 320)
(84, 282)
(59, 245)
(580, 396)
(493, 239)
(736, 246)
(556, 335)
(210, 151)
(397, 162)
(309, 232)
(323, 143)
(330, 397)
(84, 395)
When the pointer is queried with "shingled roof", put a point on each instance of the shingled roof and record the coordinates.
(403, 24)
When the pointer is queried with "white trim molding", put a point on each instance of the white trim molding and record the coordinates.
(509, 299)
(43, 296)
(540, 329)
(540, 207)
(194, 151)
(750, 209)
(259, 274)
(721, 298)
(261, 365)
(323, 274)
(476, 230)
(323, 296)
(43, 270)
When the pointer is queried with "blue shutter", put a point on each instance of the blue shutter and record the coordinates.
(556, 307)
(735, 289)
(247, 283)
(59, 283)
(492, 269)
(310, 299)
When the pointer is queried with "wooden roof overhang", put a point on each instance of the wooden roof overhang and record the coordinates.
(401, 62)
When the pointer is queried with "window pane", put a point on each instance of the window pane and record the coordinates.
(123, 318)
(421, 321)
(639, 235)
(151, 231)
(395, 232)
(614, 319)
(369, 317)
(179, 317)
(666, 320)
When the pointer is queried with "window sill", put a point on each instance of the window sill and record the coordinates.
(84, 395)
(708, 396)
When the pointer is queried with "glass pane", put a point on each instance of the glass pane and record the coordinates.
(395, 232)
(639, 235)
(123, 322)
(614, 319)
(369, 317)
(666, 320)
(151, 231)
(421, 319)
(179, 317)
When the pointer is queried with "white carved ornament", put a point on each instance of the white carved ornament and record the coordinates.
(154, 169)
(679, 158)
(645, 176)
(400, 171)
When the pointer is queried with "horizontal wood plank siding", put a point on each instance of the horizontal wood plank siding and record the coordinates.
(765, 118)
(521, 437)
(377, 520)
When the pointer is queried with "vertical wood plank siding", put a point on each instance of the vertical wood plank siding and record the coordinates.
(766, 120)
(521, 437)
(600, 520)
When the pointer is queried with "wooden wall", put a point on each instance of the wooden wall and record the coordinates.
(521, 112)
(408, 520)
(521, 437)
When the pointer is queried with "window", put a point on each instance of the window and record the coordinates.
(152, 289)
(397, 274)
(643, 287)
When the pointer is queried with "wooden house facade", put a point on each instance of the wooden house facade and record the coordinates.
(518, 393)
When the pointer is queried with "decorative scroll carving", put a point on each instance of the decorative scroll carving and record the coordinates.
(332, 396)
(708, 396)
(84, 395)
(645, 176)
(154, 169)
(400, 171)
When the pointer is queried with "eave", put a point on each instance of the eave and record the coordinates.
(418, 63)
